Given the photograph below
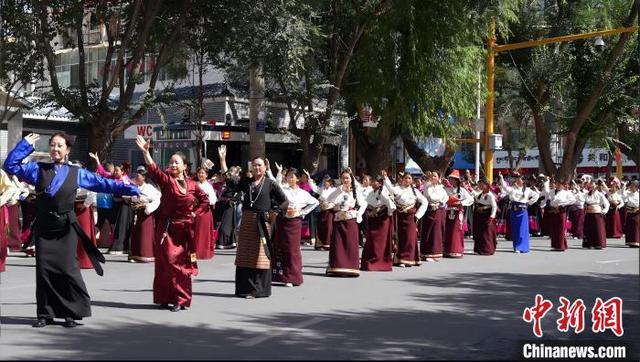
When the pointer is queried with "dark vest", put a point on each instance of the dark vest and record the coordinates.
(63, 201)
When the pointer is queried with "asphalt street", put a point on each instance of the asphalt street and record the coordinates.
(468, 308)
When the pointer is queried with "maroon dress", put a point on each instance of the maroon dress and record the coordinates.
(325, 229)
(378, 249)
(174, 246)
(407, 253)
(632, 227)
(203, 234)
(454, 233)
(484, 231)
(142, 237)
(614, 223)
(85, 219)
(287, 257)
(4, 239)
(14, 228)
(557, 223)
(431, 241)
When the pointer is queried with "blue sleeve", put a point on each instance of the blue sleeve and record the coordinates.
(90, 181)
(14, 166)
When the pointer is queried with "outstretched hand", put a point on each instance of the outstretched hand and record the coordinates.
(94, 156)
(222, 151)
(32, 138)
(383, 173)
(278, 167)
(143, 145)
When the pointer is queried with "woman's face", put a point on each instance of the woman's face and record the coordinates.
(139, 180)
(346, 179)
(366, 181)
(292, 179)
(176, 166)
(406, 180)
(435, 178)
(304, 178)
(326, 184)
(375, 184)
(258, 168)
(518, 182)
(202, 175)
(58, 149)
(484, 187)
(117, 171)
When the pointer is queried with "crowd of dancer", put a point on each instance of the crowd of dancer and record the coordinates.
(365, 223)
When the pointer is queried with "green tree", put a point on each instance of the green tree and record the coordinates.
(140, 38)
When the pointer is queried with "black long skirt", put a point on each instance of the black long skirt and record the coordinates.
(123, 228)
(254, 282)
(60, 289)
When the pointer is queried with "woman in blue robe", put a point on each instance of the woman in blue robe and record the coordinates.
(521, 198)
(60, 289)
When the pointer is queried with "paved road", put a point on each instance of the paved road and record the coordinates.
(465, 309)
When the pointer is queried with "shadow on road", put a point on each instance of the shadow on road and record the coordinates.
(100, 303)
(461, 316)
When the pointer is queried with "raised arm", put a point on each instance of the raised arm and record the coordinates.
(7, 188)
(13, 164)
(387, 183)
(154, 171)
(222, 153)
(99, 169)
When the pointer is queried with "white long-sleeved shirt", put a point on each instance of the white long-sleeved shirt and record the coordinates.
(151, 196)
(406, 196)
(365, 191)
(344, 205)
(381, 198)
(631, 199)
(324, 195)
(596, 201)
(465, 197)
(561, 198)
(488, 199)
(208, 189)
(616, 198)
(301, 201)
(579, 196)
(519, 194)
(436, 195)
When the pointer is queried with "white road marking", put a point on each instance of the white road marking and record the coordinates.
(279, 331)
(611, 261)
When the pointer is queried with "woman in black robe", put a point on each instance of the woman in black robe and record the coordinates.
(253, 258)
(60, 290)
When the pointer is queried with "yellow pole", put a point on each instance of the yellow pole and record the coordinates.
(488, 119)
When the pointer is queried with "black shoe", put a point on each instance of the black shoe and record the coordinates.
(41, 322)
(175, 308)
(69, 323)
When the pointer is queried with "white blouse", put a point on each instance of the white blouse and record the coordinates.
(488, 199)
(616, 198)
(151, 197)
(406, 196)
(208, 189)
(324, 195)
(301, 201)
(561, 198)
(522, 195)
(596, 202)
(379, 199)
(631, 199)
(344, 205)
(436, 194)
(466, 199)
(579, 196)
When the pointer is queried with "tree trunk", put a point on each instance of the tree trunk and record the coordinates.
(374, 145)
(100, 140)
(427, 163)
(257, 112)
(311, 150)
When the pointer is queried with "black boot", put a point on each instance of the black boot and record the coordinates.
(70, 323)
(41, 322)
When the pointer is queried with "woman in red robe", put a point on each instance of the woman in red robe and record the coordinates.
(175, 259)
(204, 222)
(143, 230)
